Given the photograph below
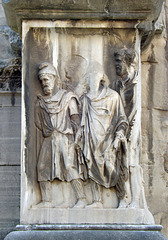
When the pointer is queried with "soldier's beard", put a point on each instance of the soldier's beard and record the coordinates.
(118, 70)
(47, 90)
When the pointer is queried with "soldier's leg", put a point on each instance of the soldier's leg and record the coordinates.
(78, 188)
(123, 203)
(70, 162)
(97, 195)
(46, 198)
(45, 188)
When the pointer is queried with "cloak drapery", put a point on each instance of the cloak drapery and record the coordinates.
(57, 156)
(102, 118)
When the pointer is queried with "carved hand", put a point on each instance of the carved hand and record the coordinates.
(117, 143)
(78, 138)
(120, 137)
(39, 96)
(125, 173)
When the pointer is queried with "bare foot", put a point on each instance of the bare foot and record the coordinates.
(95, 205)
(81, 203)
(134, 204)
(122, 204)
(43, 204)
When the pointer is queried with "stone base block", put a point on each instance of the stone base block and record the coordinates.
(87, 216)
(89, 232)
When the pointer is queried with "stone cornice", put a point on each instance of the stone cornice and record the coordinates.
(17, 10)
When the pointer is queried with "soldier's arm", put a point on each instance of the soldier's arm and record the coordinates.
(75, 120)
(37, 115)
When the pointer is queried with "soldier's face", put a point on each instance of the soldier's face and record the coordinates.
(47, 81)
(121, 66)
(68, 73)
(95, 79)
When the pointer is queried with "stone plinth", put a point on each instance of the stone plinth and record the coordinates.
(88, 216)
(82, 232)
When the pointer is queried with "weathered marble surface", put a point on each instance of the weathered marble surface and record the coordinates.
(74, 232)
(9, 162)
(80, 9)
(87, 215)
(10, 122)
(155, 125)
(57, 42)
(155, 197)
(10, 56)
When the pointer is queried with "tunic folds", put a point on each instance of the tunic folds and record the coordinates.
(57, 156)
(103, 117)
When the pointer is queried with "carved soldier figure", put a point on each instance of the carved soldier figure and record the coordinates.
(104, 125)
(75, 71)
(127, 69)
(126, 85)
(57, 117)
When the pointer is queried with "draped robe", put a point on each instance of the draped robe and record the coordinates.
(103, 116)
(57, 156)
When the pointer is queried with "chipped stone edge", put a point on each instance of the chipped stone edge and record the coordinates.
(89, 227)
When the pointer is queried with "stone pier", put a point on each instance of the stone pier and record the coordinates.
(81, 118)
